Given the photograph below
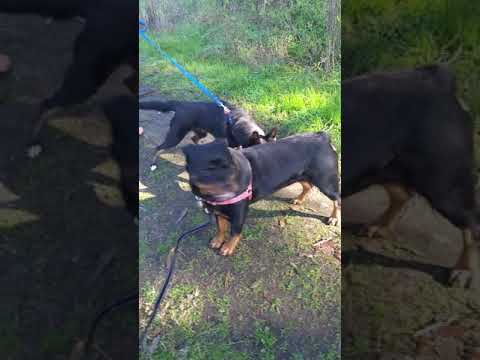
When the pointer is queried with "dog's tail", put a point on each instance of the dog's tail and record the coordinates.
(157, 105)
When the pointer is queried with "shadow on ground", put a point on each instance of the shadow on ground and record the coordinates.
(398, 286)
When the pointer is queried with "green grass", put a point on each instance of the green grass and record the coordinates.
(229, 308)
(290, 97)
(392, 34)
(253, 305)
(255, 32)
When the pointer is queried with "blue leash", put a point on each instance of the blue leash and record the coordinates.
(142, 32)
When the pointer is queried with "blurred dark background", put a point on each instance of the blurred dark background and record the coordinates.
(394, 288)
(68, 247)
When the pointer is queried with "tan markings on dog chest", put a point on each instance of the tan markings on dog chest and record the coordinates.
(218, 189)
(210, 188)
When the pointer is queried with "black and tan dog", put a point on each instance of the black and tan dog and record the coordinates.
(228, 180)
(104, 43)
(208, 117)
(408, 131)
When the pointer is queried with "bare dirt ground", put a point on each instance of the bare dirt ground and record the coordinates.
(395, 288)
(277, 285)
(66, 244)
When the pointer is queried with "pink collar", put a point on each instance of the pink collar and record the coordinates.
(247, 194)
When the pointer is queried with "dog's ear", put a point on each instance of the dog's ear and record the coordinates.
(218, 148)
(254, 138)
(272, 135)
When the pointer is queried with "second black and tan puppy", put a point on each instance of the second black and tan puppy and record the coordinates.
(208, 117)
(228, 180)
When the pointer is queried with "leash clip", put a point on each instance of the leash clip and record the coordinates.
(201, 204)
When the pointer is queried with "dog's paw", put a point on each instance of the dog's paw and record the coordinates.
(298, 201)
(227, 249)
(216, 243)
(333, 221)
(34, 150)
(460, 278)
(464, 279)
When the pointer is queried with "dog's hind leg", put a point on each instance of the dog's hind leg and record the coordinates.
(307, 186)
(175, 133)
(384, 226)
(457, 204)
(174, 136)
(328, 184)
(88, 71)
(199, 135)
(335, 217)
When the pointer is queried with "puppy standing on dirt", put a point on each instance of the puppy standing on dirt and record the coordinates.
(208, 117)
(228, 180)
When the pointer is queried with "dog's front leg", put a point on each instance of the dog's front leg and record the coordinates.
(237, 221)
(222, 226)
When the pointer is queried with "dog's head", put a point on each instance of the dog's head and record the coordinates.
(257, 139)
(213, 169)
